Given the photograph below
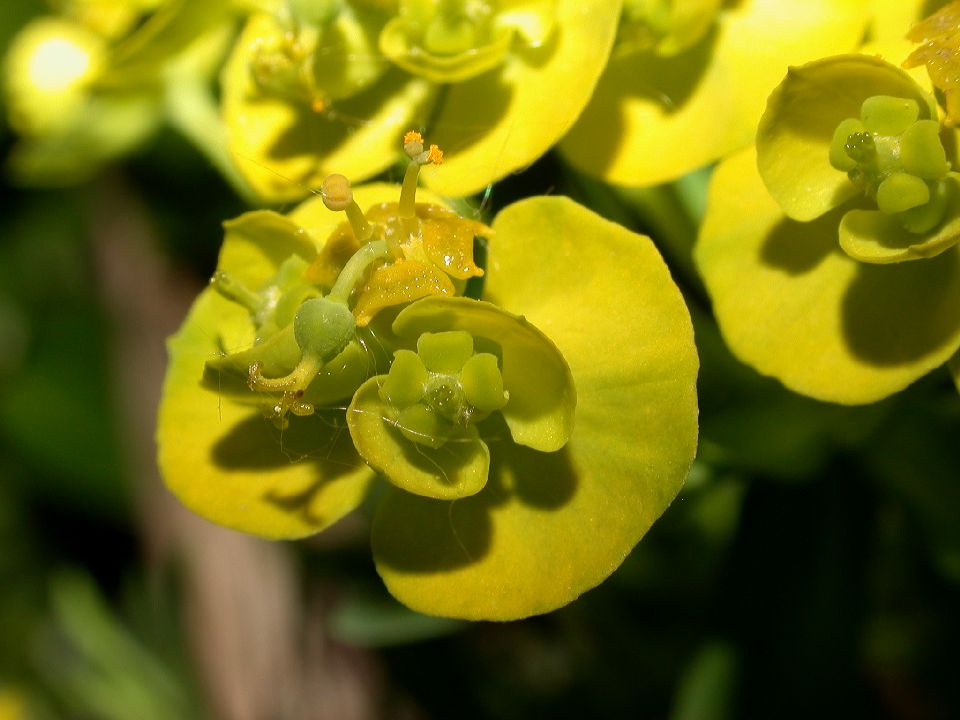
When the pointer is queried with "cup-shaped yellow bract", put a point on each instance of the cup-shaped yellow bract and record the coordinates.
(494, 83)
(90, 85)
(529, 439)
(855, 126)
(792, 304)
(658, 113)
(830, 252)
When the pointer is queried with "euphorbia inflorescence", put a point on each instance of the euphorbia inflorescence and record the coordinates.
(897, 160)
(358, 338)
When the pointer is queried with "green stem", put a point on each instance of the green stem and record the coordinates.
(354, 269)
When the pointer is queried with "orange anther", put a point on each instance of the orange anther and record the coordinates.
(435, 155)
(412, 136)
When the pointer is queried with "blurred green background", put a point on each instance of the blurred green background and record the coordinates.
(811, 566)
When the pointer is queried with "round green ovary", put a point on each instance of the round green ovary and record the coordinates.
(323, 327)
(896, 159)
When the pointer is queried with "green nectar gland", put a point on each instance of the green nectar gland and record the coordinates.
(896, 159)
(441, 386)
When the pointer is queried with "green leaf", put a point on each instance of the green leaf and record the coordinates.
(456, 469)
(793, 305)
(795, 132)
(549, 526)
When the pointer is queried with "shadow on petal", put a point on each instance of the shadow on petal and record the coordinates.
(254, 443)
(896, 314)
(797, 247)
(539, 56)
(414, 534)
(471, 110)
(667, 82)
(546, 481)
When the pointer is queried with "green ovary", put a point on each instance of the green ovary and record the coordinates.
(441, 386)
(896, 159)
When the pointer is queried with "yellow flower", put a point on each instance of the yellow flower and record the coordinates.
(495, 83)
(831, 252)
(517, 445)
(695, 92)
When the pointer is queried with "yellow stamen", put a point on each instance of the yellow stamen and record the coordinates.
(435, 155)
(412, 136)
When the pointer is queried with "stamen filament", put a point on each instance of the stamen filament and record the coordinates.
(413, 147)
(408, 192)
(361, 228)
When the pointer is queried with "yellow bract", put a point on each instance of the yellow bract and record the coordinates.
(400, 282)
(793, 305)
(655, 118)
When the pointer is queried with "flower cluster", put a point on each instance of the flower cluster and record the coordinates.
(528, 433)
(320, 86)
(831, 251)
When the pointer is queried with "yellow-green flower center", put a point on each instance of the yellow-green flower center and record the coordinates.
(309, 313)
(896, 159)
(442, 385)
